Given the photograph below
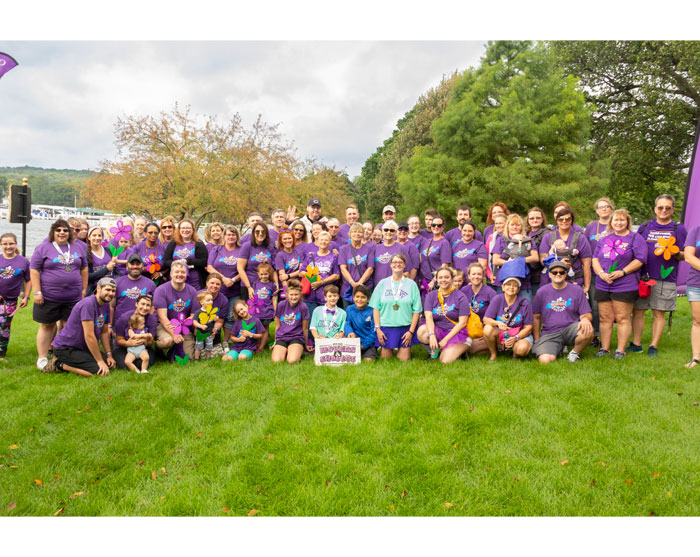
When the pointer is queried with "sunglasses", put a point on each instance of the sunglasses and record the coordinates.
(440, 225)
(559, 272)
(564, 219)
(300, 230)
(391, 230)
(166, 227)
(665, 208)
(62, 230)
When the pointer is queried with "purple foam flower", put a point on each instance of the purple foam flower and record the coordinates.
(121, 231)
(181, 326)
(612, 247)
(255, 304)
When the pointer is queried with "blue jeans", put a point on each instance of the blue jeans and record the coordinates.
(230, 315)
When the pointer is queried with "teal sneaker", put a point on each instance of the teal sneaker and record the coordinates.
(653, 351)
(634, 347)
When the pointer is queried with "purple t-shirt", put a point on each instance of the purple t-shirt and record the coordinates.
(357, 261)
(560, 308)
(426, 233)
(659, 266)
(464, 255)
(289, 262)
(265, 291)
(256, 255)
(619, 251)
(185, 251)
(226, 263)
(57, 283)
(12, 273)
(327, 266)
(343, 234)
(291, 318)
(249, 343)
(128, 291)
(455, 306)
(497, 311)
(382, 260)
(594, 232)
(412, 255)
(693, 240)
(176, 302)
(101, 262)
(455, 235)
(432, 255)
(72, 335)
(121, 327)
(583, 247)
(479, 303)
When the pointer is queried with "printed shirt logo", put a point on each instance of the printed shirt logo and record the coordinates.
(263, 293)
(8, 272)
(357, 260)
(293, 264)
(133, 292)
(180, 305)
(100, 321)
(184, 253)
(476, 305)
(261, 256)
(438, 310)
(559, 304)
(324, 267)
(428, 252)
(384, 258)
(502, 318)
(389, 295)
(466, 252)
(230, 260)
(290, 318)
(65, 258)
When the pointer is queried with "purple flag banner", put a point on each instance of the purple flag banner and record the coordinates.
(7, 62)
(691, 206)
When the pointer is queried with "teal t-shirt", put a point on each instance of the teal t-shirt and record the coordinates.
(405, 295)
(327, 324)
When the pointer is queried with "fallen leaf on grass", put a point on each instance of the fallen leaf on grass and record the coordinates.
(153, 404)
(37, 481)
(411, 418)
(13, 466)
(56, 476)
(337, 413)
(454, 446)
(386, 486)
(628, 481)
(563, 462)
(154, 475)
(679, 394)
(653, 378)
(328, 482)
(271, 457)
(391, 507)
(59, 511)
(404, 493)
(199, 434)
(268, 437)
(655, 475)
(226, 509)
(695, 403)
(515, 479)
(471, 408)
(296, 386)
(602, 463)
(127, 397)
(448, 505)
(13, 447)
(12, 506)
(253, 512)
(651, 513)
(592, 484)
(141, 462)
(668, 494)
(77, 494)
(162, 471)
(507, 391)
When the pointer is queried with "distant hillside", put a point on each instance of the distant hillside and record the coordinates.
(50, 186)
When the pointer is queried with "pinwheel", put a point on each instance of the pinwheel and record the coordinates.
(667, 247)
(121, 231)
(181, 325)
(255, 304)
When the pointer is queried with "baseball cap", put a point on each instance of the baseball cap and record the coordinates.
(134, 257)
(389, 208)
(314, 201)
(107, 281)
(403, 225)
(557, 263)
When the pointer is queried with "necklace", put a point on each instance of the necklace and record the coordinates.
(64, 258)
(395, 293)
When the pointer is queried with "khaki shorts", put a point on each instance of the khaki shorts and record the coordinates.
(188, 342)
(663, 297)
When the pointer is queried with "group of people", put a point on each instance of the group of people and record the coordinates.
(143, 289)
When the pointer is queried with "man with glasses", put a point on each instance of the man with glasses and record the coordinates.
(562, 312)
(464, 213)
(665, 240)
(130, 287)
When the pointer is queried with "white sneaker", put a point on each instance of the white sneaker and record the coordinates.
(144, 371)
(573, 357)
(41, 363)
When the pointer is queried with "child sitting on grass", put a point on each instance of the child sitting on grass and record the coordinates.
(292, 332)
(245, 334)
(137, 329)
(266, 292)
(328, 320)
(360, 322)
(205, 300)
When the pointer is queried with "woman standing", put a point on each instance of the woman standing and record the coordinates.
(692, 242)
(396, 308)
(214, 235)
(101, 263)
(367, 229)
(151, 251)
(479, 297)
(288, 259)
(596, 231)
(14, 279)
(498, 209)
(446, 313)
(499, 226)
(570, 245)
(223, 260)
(356, 262)
(254, 252)
(383, 252)
(167, 230)
(187, 246)
(328, 272)
(139, 229)
(616, 262)
(435, 253)
(513, 244)
(59, 275)
(300, 235)
(468, 250)
(536, 228)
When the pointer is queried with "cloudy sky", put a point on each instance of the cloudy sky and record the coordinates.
(336, 100)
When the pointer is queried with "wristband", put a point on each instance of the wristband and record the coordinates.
(377, 327)
(413, 332)
(624, 273)
(37, 293)
(429, 334)
(601, 272)
(109, 353)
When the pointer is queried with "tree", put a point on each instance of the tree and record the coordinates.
(515, 130)
(177, 164)
(647, 99)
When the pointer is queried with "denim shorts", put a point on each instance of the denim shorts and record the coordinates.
(693, 293)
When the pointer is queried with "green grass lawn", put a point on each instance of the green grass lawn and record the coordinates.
(515, 438)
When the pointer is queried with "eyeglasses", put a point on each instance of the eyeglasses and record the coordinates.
(604, 207)
(667, 208)
(559, 272)
(439, 225)
(260, 232)
(564, 219)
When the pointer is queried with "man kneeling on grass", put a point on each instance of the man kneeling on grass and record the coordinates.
(563, 312)
(75, 348)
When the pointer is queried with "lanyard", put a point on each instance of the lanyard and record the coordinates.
(441, 299)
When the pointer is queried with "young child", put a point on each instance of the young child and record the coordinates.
(245, 334)
(328, 320)
(458, 280)
(137, 329)
(292, 320)
(266, 291)
(120, 269)
(206, 300)
(360, 322)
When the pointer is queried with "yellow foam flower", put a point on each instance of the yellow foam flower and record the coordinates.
(667, 247)
(207, 314)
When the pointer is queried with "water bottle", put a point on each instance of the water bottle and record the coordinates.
(434, 353)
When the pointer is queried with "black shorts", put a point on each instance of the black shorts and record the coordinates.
(370, 353)
(266, 322)
(628, 297)
(288, 343)
(77, 358)
(50, 312)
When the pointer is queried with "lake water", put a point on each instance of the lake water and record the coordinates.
(37, 231)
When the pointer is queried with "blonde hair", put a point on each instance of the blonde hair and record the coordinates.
(606, 199)
(511, 218)
(178, 237)
(624, 213)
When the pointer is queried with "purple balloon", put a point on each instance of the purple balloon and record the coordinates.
(7, 62)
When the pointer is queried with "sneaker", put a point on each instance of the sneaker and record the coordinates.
(573, 356)
(653, 351)
(143, 371)
(602, 352)
(619, 355)
(634, 347)
(41, 363)
(596, 342)
(51, 365)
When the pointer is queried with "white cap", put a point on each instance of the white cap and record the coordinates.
(389, 208)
